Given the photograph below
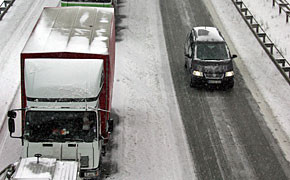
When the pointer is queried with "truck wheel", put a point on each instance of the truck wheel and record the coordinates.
(111, 125)
(104, 150)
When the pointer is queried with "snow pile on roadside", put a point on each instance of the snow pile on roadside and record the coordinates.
(272, 22)
(15, 29)
(144, 99)
(16, 25)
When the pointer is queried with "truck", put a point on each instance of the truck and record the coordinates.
(67, 73)
(41, 169)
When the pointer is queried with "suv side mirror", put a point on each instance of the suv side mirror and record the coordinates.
(11, 125)
(234, 56)
(189, 54)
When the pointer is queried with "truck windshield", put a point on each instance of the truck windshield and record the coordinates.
(60, 126)
(212, 51)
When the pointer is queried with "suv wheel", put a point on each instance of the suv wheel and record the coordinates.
(185, 64)
(191, 83)
(231, 85)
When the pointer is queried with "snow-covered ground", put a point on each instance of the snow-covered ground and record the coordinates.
(144, 98)
(151, 140)
(15, 29)
(272, 22)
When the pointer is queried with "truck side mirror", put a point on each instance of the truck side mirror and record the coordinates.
(187, 55)
(11, 114)
(11, 125)
(234, 56)
(101, 137)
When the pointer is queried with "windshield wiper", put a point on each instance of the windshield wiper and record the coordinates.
(48, 140)
(72, 139)
(39, 139)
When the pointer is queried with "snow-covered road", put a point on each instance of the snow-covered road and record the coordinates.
(264, 80)
(150, 139)
(150, 136)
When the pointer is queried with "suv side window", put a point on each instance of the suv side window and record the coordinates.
(191, 45)
(186, 44)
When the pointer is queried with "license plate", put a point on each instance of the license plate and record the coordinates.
(214, 82)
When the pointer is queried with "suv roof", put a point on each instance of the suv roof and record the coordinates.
(208, 34)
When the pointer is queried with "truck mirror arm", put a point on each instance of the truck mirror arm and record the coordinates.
(11, 123)
(11, 131)
(16, 137)
(103, 110)
(12, 113)
(102, 138)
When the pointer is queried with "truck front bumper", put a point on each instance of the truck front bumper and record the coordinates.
(89, 174)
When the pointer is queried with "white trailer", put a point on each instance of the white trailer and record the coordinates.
(37, 168)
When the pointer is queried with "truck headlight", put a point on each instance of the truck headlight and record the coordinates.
(88, 174)
(84, 161)
(197, 73)
(229, 73)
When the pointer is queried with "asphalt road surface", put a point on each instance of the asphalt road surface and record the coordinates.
(225, 129)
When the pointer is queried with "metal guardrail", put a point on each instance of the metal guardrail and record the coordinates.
(5, 5)
(273, 52)
(283, 6)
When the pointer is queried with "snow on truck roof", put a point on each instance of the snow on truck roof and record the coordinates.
(72, 29)
(55, 78)
(209, 34)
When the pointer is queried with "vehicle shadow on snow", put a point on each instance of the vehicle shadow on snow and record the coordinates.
(119, 19)
(109, 166)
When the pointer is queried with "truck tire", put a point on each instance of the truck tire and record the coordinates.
(110, 125)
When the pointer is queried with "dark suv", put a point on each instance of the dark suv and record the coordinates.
(208, 59)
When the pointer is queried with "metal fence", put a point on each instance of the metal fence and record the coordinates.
(273, 52)
(283, 6)
(5, 5)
